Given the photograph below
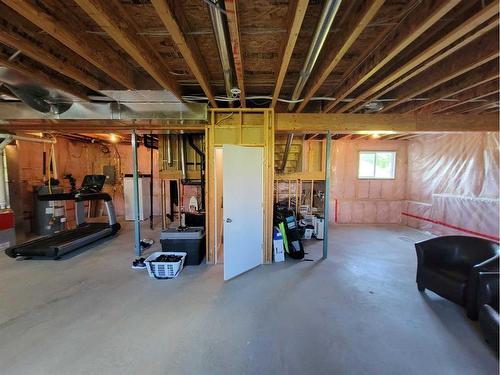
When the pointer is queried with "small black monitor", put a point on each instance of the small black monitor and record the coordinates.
(93, 182)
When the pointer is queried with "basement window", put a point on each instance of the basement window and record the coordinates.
(379, 165)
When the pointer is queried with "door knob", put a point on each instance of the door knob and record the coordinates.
(228, 220)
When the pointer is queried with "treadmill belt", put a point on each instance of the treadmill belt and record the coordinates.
(66, 236)
(54, 244)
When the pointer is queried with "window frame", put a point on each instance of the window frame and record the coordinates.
(375, 164)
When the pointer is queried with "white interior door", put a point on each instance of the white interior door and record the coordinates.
(243, 209)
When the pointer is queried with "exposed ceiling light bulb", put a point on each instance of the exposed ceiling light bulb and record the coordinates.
(113, 138)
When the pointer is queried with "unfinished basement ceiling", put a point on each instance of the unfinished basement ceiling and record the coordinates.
(391, 56)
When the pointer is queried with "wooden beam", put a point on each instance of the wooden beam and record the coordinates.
(186, 46)
(69, 31)
(414, 25)
(476, 93)
(348, 35)
(409, 123)
(433, 53)
(40, 76)
(482, 75)
(112, 18)
(461, 62)
(296, 15)
(14, 36)
(234, 33)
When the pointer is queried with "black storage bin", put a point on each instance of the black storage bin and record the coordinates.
(190, 240)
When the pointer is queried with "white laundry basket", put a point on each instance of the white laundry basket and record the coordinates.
(164, 270)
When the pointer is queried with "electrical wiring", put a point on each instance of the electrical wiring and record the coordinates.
(255, 97)
(224, 118)
(195, 98)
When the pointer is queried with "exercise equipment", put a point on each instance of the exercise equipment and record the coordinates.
(57, 244)
(285, 219)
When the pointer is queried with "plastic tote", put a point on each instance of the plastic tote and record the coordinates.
(164, 270)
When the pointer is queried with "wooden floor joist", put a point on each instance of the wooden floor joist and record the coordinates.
(296, 16)
(186, 46)
(42, 77)
(477, 77)
(67, 29)
(15, 35)
(436, 52)
(344, 41)
(481, 106)
(234, 33)
(476, 93)
(407, 32)
(457, 64)
(111, 16)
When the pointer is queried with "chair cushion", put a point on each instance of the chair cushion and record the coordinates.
(449, 283)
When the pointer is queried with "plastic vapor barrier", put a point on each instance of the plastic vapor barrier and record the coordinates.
(452, 184)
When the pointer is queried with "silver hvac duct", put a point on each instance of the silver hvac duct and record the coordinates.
(223, 45)
(109, 111)
(169, 149)
(182, 150)
(322, 29)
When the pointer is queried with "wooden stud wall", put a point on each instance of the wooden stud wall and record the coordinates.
(243, 127)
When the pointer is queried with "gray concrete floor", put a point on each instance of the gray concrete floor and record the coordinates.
(358, 312)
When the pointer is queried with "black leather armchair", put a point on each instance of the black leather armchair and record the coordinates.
(450, 265)
(487, 295)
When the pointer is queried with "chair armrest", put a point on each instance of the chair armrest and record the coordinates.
(432, 251)
(488, 265)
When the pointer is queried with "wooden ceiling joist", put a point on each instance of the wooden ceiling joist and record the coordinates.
(413, 26)
(434, 50)
(459, 63)
(475, 78)
(476, 93)
(40, 76)
(120, 26)
(348, 35)
(296, 16)
(68, 30)
(482, 106)
(12, 35)
(186, 47)
(234, 33)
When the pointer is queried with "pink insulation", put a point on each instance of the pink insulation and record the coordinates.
(444, 184)
(366, 201)
(453, 184)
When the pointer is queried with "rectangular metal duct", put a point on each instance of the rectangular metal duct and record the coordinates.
(110, 111)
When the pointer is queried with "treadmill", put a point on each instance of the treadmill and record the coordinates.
(56, 245)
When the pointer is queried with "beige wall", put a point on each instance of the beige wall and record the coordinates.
(366, 201)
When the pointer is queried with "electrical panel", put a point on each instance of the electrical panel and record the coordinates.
(110, 172)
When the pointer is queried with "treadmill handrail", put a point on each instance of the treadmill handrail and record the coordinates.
(92, 197)
(78, 197)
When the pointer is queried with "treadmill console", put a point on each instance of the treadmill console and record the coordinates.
(92, 183)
